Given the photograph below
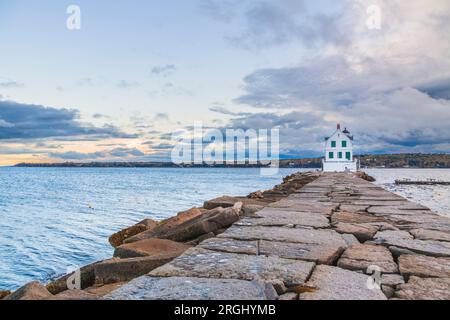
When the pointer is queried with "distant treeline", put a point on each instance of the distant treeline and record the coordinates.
(416, 160)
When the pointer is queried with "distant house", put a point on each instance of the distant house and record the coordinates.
(339, 152)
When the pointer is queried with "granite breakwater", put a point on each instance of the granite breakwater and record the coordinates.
(316, 236)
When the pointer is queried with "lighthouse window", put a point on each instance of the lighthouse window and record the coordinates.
(333, 144)
(331, 155)
(348, 155)
(340, 155)
(344, 144)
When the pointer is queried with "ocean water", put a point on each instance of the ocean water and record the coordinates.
(52, 219)
(437, 198)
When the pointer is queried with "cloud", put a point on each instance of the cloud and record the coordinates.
(391, 89)
(164, 70)
(266, 24)
(124, 84)
(28, 121)
(122, 153)
(161, 117)
(8, 84)
(438, 89)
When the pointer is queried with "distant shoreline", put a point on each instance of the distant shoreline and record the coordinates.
(387, 161)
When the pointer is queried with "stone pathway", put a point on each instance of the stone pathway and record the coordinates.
(321, 242)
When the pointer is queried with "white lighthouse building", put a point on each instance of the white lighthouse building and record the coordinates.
(339, 152)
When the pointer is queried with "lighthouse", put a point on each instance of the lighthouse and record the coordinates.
(339, 152)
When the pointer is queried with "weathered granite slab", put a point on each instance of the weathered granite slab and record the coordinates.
(350, 217)
(361, 256)
(417, 221)
(212, 264)
(424, 289)
(378, 203)
(333, 283)
(363, 232)
(296, 205)
(180, 288)
(297, 235)
(353, 208)
(392, 280)
(318, 253)
(390, 210)
(423, 234)
(423, 266)
(404, 240)
(274, 217)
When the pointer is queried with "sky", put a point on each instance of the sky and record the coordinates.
(139, 70)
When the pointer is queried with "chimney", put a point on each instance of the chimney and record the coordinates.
(339, 126)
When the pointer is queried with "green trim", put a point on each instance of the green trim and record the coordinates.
(344, 144)
(348, 155)
(340, 155)
(331, 155)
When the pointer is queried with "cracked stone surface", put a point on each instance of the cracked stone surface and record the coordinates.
(424, 267)
(318, 253)
(424, 289)
(332, 283)
(273, 217)
(363, 232)
(361, 256)
(423, 234)
(212, 264)
(182, 288)
(404, 240)
(294, 235)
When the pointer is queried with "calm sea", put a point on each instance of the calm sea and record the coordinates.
(52, 219)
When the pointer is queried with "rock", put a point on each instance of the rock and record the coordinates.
(424, 267)
(392, 280)
(404, 240)
(4, 294)
(193, 228)
(424, 289)
(118, 238)
(397, 210)
(149, 223)
(293, 204)
(280, 234)
(102, 290)
(423, 234)
(256, 195)
(326, 253)
(279, 286)
(350, 239)
(200, 239)
(365, 176)
(227, 202)
(167, 225)
(31, 291)
(122, 270)
(355, 218)
(87, 279)
(353, 208)
(197, 262)
(363, 232)
(162, 248)
(249, 210)
(361, 256)
(181, 288)
(74, 295)
(333, 283)
(388, 291)
(277, 217)
(397, 252)
(290, 296)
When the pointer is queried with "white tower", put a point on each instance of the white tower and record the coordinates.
(339, 152)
